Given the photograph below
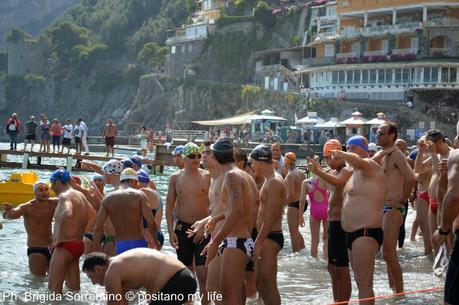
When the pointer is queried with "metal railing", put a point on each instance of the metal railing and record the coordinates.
(348, 32)
(405, 51)
(407, 26)
(348, 55)
(375, 53)
(377, 29)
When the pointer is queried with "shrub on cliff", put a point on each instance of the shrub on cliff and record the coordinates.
(153, 55)
(16, 35)
(263, 14)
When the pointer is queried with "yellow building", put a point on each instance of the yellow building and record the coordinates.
(380, 49)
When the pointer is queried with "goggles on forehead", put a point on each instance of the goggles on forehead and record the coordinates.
(41, 186)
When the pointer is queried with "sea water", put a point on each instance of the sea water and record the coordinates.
(301, 279)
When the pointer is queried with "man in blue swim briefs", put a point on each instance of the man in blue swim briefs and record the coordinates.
(362, 212)
(38, 215)
(126, 207)
(189, 192)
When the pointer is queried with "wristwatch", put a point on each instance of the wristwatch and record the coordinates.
(441, 232)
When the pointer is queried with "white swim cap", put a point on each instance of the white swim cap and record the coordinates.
(113, 167)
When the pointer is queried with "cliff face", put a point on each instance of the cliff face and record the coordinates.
(32, 16)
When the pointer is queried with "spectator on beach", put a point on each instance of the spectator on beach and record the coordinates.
(67, 139)
(45, 134)
(84, 135)
(109, 135)
(31, 133)
(12, 129)
(56, 132)
(78, 132)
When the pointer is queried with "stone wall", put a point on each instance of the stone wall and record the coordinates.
(183, 57)
(26, 57)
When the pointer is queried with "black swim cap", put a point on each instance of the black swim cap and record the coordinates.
(222, 146)
(262, 153)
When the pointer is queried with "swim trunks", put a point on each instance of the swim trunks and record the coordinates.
(243, 244)
(452, 275)
(159, 234)
(110, 141)
(66, 141)
(39, 250)
(250, 267)
(125, 245)
(433, 204)
(337, 251)
(402, 232)
(388, 208)
(376, 233)
(187, 248)
(177, 290)
(30, 137)
(74, 247)
(277, 237)
(424, 196)
(108, 239)
(90, 236)
(296, 205)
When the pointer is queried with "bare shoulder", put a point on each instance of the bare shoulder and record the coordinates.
(374, 166)
(53, 201)
(275, 183)
(204, 173)
(454, 156)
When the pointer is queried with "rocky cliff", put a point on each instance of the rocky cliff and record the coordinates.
(32, 16)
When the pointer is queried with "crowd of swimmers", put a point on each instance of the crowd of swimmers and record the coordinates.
(224, 212)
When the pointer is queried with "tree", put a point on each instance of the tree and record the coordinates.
(65, 37)
(153, 55)
(263, 14)
(17, 35)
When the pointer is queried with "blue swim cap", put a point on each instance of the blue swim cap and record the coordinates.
(127, 162)
(359, 141)
(143, 176)
(178, 150)
(137, 160)
(262, 153)
(61, 175)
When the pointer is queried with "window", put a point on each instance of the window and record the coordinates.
(349, 76)
(335, 77)
(356, 77)
(427, 76)
(444, 75)
(183, 49)
(341, 76)
(365, 77)
(388, 76)
(434, 75)
(381, 76)
(452, 75)
(173, 50)
(329, 50)
(406, 76)
(398, 76)
(190, 48)
(372, 76)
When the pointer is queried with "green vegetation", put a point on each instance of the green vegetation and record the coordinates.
(16, 35)
(225, 20)
(153, 55)
(3, 61)
(263, 14)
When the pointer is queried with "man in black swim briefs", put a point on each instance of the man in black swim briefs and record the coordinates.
(166, 280)
(270, 239)
(38, 215)
(361, 216)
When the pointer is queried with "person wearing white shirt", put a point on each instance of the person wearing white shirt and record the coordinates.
(67, 139)
(84, 136)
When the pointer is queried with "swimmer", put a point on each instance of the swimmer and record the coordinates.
(177, 156)
(138, 268)
(233, 240)
(449, 223)
(126, 207)
(400, 181)
(362, 212)
(38, 215)
(111, 171)
(270, 239)
(72, 217)
(338, 260)
(293, 180)
(109, 134)
(188, 191)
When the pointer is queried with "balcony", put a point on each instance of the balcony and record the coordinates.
(350, 32)
(375, 30)
(404, 51)
(407, 27)
(348, 55)
(325, 35)
(439, 52)
(444, 21)
(375, 53)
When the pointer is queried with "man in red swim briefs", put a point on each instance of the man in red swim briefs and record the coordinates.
(73, 215)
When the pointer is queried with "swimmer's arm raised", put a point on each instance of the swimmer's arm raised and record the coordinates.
(102, 216)
(421, 165)
(91, 166)
(354, 160)
(338, 180)
(233, 185)
(382, 153)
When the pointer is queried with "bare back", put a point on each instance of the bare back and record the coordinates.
(294, 180)
(124, 207)
(72, 217)
(364, 199)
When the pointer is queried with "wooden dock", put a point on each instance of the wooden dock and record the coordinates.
(70, 161)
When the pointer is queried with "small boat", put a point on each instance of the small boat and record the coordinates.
(19, 188)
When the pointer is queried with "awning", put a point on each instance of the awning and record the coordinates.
(257, 117)
(235, 120)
